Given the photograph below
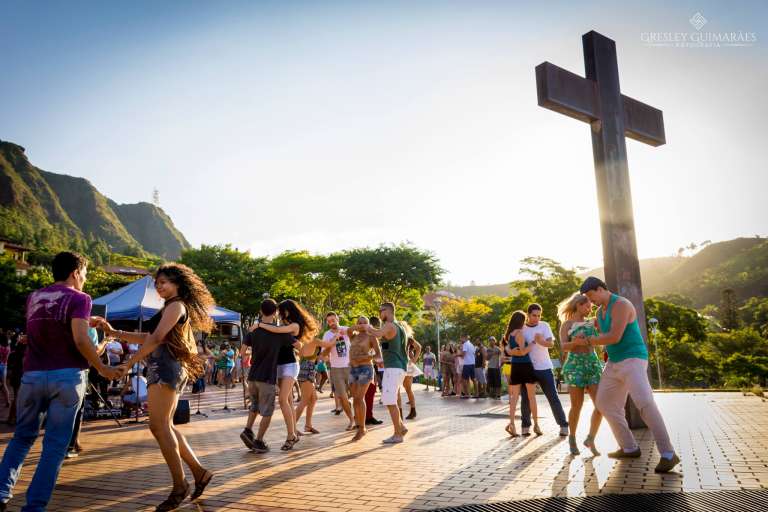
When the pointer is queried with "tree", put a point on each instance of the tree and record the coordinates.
(100, 283)
(746, 369)
(395, 273)
(236, 280)
(313, 280)
(729, 315)
(549, 283)
(676, 321)
(754, 314)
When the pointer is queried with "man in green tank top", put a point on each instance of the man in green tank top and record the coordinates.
(393, 339)
(625, 374)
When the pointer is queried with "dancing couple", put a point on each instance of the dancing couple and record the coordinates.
(60, 351)
(526, 343)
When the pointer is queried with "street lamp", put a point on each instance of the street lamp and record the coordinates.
(654, 322)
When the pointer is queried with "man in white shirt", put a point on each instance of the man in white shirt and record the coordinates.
(539, 336)
(468, 371)
(339, 359)
(114, 352)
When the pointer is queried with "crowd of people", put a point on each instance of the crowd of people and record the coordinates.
(283, 354)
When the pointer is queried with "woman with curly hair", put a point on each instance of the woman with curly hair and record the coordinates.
(172, 360)
(297, 322)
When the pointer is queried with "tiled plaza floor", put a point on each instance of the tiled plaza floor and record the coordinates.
(454, 454)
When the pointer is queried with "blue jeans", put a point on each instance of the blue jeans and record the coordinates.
(53, 395)
(547, 382)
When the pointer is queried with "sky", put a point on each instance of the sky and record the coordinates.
(324, 126)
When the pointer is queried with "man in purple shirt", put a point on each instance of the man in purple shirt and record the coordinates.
(59, 352)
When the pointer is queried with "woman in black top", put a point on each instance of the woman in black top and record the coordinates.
(172, 360)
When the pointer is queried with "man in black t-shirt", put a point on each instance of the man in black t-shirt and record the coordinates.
(262, 377)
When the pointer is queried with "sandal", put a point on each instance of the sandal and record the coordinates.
(311, 430)
(511, 430)
(174, 499)
(201, 484)
(288, 445)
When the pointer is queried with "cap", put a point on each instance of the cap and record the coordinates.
(592, 283)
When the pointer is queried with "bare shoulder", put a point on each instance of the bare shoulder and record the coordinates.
(175, 308)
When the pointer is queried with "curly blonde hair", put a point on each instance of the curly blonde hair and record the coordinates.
(198, 302)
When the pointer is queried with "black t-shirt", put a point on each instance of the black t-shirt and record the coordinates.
(265, 348)
(479, 357)
(287, 355)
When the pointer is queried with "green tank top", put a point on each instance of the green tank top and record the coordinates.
(631, 343)
(393, 351)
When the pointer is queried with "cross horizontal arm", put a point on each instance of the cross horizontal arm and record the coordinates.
(576, 97)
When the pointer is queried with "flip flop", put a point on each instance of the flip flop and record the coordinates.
(311, 430)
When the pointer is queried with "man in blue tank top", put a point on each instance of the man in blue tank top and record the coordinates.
(625, 373)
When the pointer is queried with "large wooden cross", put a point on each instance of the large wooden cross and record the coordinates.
(597, 100)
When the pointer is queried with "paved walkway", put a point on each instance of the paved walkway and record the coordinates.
(456, 453)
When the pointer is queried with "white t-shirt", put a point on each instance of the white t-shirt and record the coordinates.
(539, 355)
(114, 357)
(469, 352)
(339, 352)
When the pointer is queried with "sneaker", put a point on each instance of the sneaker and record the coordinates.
(260, 446)
(564, 431)
(393, 440)
(72, 453)
(373, 421)
(621, 454)
(246, 436)
(667, 465)
(526, 431)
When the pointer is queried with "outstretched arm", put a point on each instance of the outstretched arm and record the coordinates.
(292, 328)
(387, 332)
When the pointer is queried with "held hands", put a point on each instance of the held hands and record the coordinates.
(112, 372)
(98, 322)
(580, 341)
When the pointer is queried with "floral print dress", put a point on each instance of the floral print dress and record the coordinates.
(582, 369)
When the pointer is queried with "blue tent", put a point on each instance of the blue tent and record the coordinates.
(139, 301)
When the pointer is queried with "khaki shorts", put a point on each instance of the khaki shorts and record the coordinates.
(340, 380)
(262, 397)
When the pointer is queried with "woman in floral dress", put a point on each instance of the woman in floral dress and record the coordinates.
(582, 369)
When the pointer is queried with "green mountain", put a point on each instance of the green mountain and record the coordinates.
(740, 264)
(55, 211)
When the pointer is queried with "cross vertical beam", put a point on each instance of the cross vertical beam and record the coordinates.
(609, 149)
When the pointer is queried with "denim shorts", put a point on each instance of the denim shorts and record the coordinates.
(361, 374)
(163, 368)
(288, 370)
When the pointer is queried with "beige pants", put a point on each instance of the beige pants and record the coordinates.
(630, 376)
